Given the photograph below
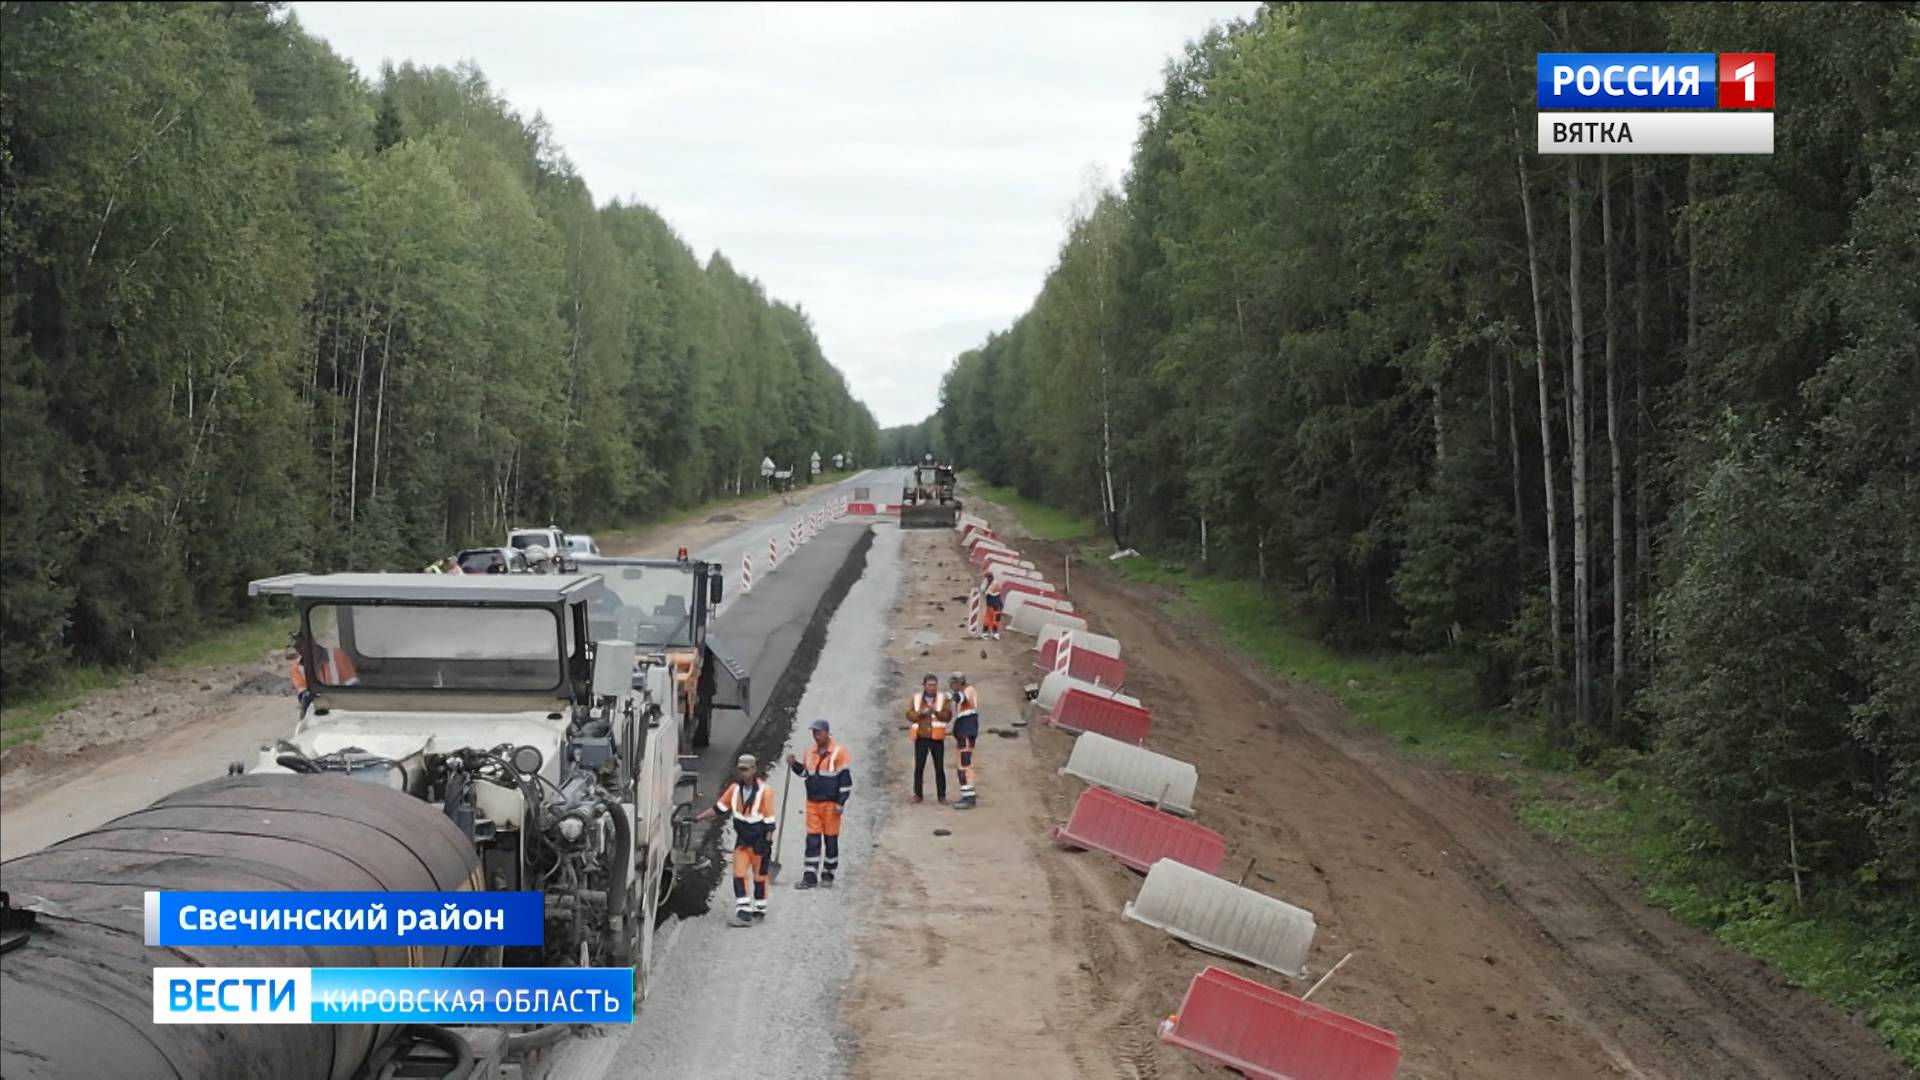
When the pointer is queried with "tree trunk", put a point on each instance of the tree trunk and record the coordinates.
(1106, 454)
(1513, 446)
(1439, 426)
(1577, 386)
(1546, 421)
(379, 408)
(353, 463)
(1693, 266)
(1642, 530)
(1613, 448)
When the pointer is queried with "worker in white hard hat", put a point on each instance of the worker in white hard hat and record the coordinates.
(829, 781)
(749, 799)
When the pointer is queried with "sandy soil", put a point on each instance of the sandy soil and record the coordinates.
(1489, 951)
(964, 953)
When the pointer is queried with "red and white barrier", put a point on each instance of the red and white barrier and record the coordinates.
(974, 613)
(746, 573)
(1137, 835)
(773, 553)
(1079, 710)
(1262, 1032)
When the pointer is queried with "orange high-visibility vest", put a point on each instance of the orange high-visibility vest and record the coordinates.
(754, 808)
(968, 703)
(934, 726)
(336, 669)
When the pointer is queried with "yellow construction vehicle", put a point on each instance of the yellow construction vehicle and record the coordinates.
(929, 502)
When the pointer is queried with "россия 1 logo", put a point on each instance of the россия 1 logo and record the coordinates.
(1712, 103)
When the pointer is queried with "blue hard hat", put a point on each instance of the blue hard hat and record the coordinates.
(821, 725)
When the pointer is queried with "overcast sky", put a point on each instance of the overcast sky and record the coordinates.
(901, 172)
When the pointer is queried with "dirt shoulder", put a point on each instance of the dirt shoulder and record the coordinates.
(967, 951)
(1488, 950)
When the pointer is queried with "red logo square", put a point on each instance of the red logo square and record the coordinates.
(1746, 80)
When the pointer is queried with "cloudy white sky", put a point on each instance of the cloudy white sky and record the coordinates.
(900, 171)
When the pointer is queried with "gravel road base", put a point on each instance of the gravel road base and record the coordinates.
(763, 1001)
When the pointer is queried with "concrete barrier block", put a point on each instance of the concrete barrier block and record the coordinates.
(1133, 771)
(1215, 915)
(1059, 682)
(1016, 600)
(1082, 639)
(1038, 614)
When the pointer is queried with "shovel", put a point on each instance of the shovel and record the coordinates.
(779, 834)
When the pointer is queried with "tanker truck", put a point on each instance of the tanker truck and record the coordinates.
(555, 755)
(76, 978)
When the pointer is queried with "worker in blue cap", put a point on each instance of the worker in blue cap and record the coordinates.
(829, 781)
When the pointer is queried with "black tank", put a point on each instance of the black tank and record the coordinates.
(77, 992)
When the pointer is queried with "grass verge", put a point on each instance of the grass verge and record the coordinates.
(23, 718)
(1861, 955)
(1038, 519)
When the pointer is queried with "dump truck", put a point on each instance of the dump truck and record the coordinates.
(557, 753)
(928, 501)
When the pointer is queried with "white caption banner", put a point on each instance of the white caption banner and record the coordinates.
(1609, 132)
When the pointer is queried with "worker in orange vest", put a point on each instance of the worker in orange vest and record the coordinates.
(996, 606)
(966, 733)
(335, 666)
(929, 715)
(749, 799)
(829, 783)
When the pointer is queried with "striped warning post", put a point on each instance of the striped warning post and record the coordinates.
(973, 613)
(773, 553)
(746, 573)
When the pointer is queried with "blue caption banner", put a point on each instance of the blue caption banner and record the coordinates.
(259, 995)
(492, 995)
(1626, 80)
(345, 918)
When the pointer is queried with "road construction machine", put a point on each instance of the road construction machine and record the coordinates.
(556, 752)
(928, 501)
(664, 607)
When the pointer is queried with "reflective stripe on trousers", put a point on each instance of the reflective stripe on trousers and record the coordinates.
(965, 745)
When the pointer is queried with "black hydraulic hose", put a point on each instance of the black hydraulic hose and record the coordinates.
(526, 1042)
(445, 1039)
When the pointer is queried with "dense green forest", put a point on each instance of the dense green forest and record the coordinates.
(910, 442)
(261, 315)
(1635, 439)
